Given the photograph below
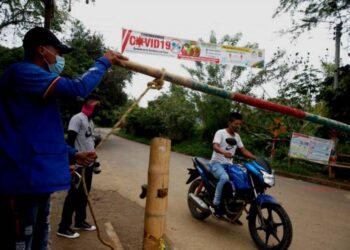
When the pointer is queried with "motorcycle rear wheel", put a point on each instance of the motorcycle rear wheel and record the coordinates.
(195, 211)
(277, 232)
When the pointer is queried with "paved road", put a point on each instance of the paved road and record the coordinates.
(320, 215)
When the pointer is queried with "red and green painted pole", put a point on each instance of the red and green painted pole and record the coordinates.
(252, 101)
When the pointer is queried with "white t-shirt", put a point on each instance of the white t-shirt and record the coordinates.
(85, 129)
(220, 138)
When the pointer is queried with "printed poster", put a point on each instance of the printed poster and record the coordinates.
(145, 43)
(310, 148)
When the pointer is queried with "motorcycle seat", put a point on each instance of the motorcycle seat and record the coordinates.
(204, 163)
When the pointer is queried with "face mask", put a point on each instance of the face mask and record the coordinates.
(58, 66)
(89, 109)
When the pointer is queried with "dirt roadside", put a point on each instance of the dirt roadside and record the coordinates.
(125, 216)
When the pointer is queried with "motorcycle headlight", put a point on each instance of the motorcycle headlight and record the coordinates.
(269, 179)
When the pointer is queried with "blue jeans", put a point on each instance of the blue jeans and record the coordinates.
(219, 172)
(25, 222)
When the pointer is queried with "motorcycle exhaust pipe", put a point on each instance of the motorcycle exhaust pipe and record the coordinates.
(199, 202)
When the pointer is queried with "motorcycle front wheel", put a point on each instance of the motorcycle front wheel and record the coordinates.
(195, 211)
(276, 230)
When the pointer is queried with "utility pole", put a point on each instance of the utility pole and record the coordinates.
(338, 34)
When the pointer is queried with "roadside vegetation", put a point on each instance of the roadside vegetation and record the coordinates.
(190, 118)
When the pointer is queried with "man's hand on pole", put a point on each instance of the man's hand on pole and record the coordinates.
(115, 58)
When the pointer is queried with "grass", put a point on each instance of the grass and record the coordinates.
(198, 148)
(133, 138)
(190, 147)
(193, 148)
(299, 167)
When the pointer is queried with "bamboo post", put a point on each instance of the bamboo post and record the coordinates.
(157, 194)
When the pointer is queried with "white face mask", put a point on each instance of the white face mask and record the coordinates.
(58, 66)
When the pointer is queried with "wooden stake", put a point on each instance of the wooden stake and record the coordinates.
(157, 194)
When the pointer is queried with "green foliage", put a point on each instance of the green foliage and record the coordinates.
(299, 85)
(143, 122)
(87, 48)
(194, 147)
(304, 84)
(298, 80)
(111, 89)
(177, 113)
(213, 113)
(19, 16)
(212, 110)
(308, 14)
(299, 167)
(337, 102)
(121, 133)
(9, 56)
(171, 115)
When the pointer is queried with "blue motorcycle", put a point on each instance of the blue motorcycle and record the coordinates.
(269, 224)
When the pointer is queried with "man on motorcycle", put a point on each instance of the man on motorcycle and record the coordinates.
(223, 154)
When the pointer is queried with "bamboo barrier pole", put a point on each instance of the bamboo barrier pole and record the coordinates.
(157, 194)
(235, 96)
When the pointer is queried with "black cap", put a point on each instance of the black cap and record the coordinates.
(42, 36)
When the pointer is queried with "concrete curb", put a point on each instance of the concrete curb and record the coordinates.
(325, 182)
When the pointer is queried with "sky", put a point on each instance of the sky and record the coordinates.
(195, 20)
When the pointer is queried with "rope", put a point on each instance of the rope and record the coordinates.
(93, 214)
(155, 84)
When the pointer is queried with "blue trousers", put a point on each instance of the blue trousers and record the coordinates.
(25, 222)
(219, 172)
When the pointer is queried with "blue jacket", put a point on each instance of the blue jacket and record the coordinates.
(33, 152)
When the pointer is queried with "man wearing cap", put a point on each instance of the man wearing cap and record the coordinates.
(34, 158)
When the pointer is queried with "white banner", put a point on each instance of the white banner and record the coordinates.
(145, 43)
(310, 148)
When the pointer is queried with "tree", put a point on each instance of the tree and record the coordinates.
(308, 14)
(297, 78)
(8, 56)
(143, 122)
(171, 115)
(338, 100)
(87, 48)
(213, 110)
(298, 81)
(21, 15)
(177, 113)
(111, 90)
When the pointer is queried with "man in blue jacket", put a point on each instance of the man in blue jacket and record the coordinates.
(34, 158)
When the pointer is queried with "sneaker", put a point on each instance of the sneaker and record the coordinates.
(68, 233)
(84, 226)
(216, 211)
(97, 168)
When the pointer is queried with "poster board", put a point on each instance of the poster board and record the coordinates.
(184, 49)
(310, 148)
